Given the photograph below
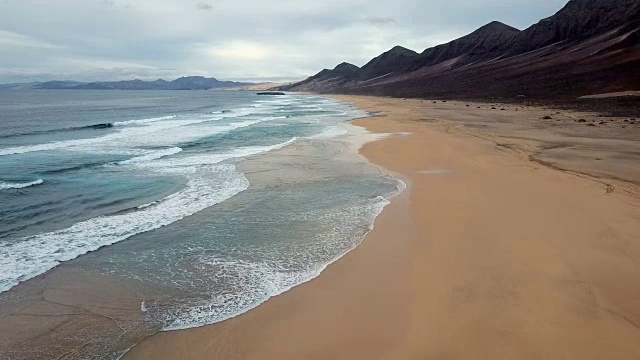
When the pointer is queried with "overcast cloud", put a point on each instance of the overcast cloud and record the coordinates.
(256, 40)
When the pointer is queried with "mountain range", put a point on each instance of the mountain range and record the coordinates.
(588, 47)
(183, 83)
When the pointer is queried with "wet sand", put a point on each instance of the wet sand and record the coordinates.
(516, 239)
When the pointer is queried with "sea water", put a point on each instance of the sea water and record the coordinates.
(217, 200)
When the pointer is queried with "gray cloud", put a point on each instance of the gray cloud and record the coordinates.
(204, 6)
(241, 39)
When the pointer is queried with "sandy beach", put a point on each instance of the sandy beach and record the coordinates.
(518, 238)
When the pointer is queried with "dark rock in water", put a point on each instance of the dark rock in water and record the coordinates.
(100, 126)
(271, 93)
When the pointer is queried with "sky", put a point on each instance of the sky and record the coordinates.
(243, 40)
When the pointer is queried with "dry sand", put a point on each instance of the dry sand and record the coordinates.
(488, 255)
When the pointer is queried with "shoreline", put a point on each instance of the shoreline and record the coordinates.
(200, 334)
(90, 308)
(469, 271)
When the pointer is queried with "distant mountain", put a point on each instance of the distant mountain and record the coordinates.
(589, 46)
(183, 83)
(57, 84)
(202, 83)
(18, 85)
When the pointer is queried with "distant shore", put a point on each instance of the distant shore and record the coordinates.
(518, 238)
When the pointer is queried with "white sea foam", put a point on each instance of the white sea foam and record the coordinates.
(109, 140)
(154, 134)
(331, 132)
(209, 183)
(184, 134)
(13, 185)
(212, 159)
(29, 257)
(143, 121)
(249, 284)
(152, 155)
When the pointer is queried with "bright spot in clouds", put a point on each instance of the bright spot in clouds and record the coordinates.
(240, 51)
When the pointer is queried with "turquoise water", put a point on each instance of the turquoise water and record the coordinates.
(216, 200)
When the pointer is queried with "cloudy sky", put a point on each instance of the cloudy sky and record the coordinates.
(255, 40)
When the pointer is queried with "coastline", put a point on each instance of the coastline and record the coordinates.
(487, 254)
(307, 204)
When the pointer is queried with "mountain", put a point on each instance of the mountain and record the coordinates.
(183, 83)
(17, 86)
(393, 61)
(589, 46)
(327, 79)
(201, 83)
(577, 20)
(57, 84)
(487, 42)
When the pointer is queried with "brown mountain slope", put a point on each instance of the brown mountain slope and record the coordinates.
(487, 42)
(578, 19)
(325, 79)
(609, 62)
(392, 62)
(589, 46)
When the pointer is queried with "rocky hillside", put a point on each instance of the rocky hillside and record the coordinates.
(589, 46)
(578, 20)
(326, 79)
(394, 61)
(488, 42)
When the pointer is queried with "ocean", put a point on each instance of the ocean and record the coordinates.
(206, 203)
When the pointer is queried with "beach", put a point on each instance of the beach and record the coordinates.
(173, 216)
(517, 238)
